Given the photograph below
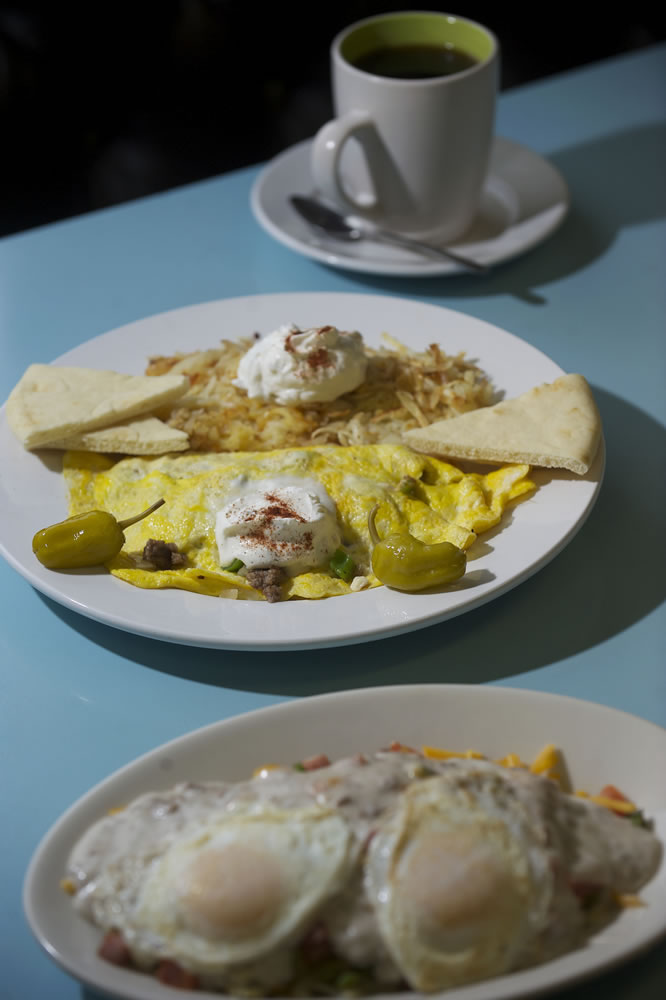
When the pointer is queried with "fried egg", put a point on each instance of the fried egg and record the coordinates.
(460, 879)
(227, 888)
(439, 503)
(240, 886)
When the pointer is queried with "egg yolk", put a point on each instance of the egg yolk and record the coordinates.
(234, 891)
(455, 886)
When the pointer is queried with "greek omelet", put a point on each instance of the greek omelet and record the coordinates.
(429, 498)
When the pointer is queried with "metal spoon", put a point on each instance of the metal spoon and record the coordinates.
(336, 225)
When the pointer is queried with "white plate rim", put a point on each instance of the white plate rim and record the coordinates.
(379, 613)
(468, 704)
(514, 241)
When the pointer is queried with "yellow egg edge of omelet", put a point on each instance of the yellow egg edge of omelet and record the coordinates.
(445, 504)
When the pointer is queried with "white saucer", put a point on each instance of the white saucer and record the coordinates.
(524, 200)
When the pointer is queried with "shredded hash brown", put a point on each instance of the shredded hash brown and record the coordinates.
(403, 389)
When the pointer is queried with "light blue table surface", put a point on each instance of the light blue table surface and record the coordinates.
(80, 699)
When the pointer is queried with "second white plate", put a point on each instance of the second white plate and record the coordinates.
(601, 745)
(530, 536)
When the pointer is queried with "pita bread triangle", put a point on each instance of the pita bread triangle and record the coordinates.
(51, 402)
(556, 425)
(139, 436)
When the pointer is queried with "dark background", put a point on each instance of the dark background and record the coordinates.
(101, 102)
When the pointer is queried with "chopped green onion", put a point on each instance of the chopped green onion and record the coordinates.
(407, 485)
(329, 969)
(352, 983)
(421, 771)
(234, 566)
(298, 767)
(343, 565)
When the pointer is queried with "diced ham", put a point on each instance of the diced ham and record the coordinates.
(314, 763)
(611, 792)
(113, 949)
(316, 945)
(171, 974)
(584, 890)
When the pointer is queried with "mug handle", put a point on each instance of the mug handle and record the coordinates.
(327, 149)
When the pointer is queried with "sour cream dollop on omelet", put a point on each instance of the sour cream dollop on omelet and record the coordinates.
(278, 523)
(303, 366)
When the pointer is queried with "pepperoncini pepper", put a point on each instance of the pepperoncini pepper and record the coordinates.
(88, 539)
(404, 562)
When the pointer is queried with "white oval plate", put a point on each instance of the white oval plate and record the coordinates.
(531, 535)
(600, 745)
(524, 200)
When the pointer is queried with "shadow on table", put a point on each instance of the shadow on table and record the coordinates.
(615, 182)
(609, 577)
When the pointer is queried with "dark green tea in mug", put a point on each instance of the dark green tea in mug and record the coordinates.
(414, 62)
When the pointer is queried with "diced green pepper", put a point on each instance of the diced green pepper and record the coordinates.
(234, 566)
(343, 565)
(408, 485)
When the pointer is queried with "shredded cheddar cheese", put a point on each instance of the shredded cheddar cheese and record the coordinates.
(511, 760)
(263, 770)
(436, 754)
(628, 900)
(616, 805)
(546, 760)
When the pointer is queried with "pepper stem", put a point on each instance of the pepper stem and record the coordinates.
(372, 528)
(139, 517)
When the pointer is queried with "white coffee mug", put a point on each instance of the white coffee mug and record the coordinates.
(409, 152)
